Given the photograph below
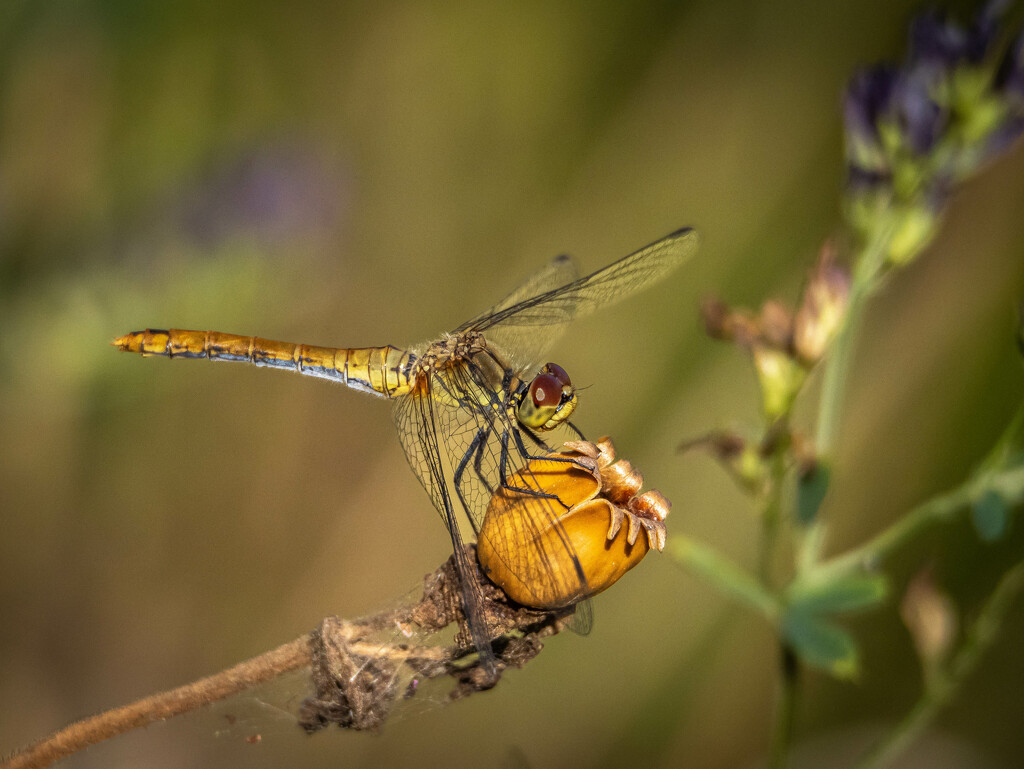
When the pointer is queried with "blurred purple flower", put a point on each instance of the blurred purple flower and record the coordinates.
(947, 93)
(868, 96)
(937, 41)
(1011, 74)
(272, 193)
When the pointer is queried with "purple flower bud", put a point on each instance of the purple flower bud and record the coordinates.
(934, 40)
(922, 128)
(1006, 134)
(1010, 78)
(868, 96)
(921, 119)
(860, 179)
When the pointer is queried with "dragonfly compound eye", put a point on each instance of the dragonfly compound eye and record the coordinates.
(558, 373)
(541, 402)
(545, 391)
(549, 400)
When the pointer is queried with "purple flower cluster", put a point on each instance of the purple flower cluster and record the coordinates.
(273, 193)
(917, 129)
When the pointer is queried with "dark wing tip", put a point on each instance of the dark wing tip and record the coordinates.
(685, 241)
(684, 232)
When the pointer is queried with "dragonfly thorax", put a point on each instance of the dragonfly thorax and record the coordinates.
(548, 400)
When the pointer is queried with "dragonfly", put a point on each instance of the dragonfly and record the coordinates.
(473, 408)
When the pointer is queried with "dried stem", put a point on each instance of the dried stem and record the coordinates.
(356, 666)
(159, 707)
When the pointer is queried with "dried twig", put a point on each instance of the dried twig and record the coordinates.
(356, 680)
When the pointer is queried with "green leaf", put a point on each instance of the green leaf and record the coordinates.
(1007, 451)
(821, 644)
(723, 573)
(811, 488)
(842, 593)
(990, 515)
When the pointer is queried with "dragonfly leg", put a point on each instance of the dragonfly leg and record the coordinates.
(503, 472)
(476, 447)
(521, 446)
(542, 445)
(479, 458)
(576, 430)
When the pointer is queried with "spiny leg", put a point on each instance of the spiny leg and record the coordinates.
(521, 446)
(576, 430)
(479, 458)
(503, 470)
(581, 577)
(476, 447)
(561, 532)
(542, 445)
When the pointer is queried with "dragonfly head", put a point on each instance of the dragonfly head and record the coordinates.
(549, 400)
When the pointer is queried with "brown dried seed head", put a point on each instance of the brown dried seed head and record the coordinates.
(930, 617)
(651, 504)
(621, 481)
(606, 449)
(586, 448)
(776, 325)
(822, 307)
(715, 314)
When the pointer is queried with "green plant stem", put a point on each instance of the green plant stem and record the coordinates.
(867, 267)
(837, 369)
(771, 518)
(1008, 483)
(769, 536)
(943, 686)
(785, 707)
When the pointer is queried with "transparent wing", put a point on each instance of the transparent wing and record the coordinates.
(526, 328)
(558, 272)
(525, 346)
(478, 447)
(417, 424)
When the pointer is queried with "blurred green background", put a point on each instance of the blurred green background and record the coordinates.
(377, 173)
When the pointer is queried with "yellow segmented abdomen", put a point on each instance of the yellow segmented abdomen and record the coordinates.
(379, 370)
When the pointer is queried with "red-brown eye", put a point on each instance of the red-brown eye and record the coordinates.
(545, 390)
(558, 373)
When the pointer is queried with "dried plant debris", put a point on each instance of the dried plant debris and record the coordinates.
(359, 674)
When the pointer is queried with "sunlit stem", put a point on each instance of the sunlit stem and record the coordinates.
(837, 369)
(1009, 484)
(868, 267)
(942, 687)
(771, 518)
